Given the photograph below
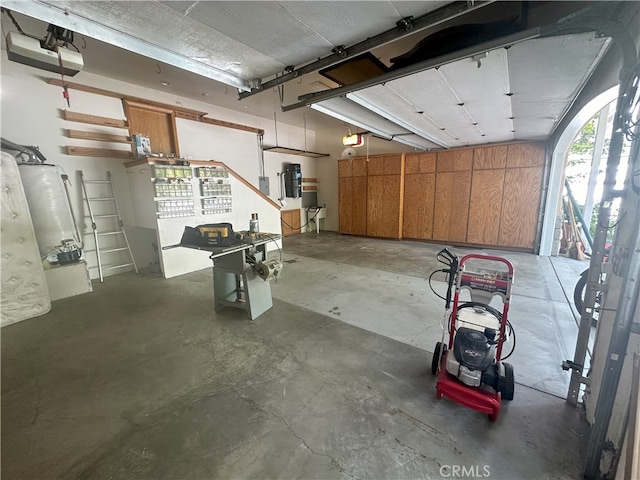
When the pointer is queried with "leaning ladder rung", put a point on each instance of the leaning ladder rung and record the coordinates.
(113, 267)
(115, 213)
(111, 250)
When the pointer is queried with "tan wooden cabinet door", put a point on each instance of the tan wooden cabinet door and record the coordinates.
(158, 123)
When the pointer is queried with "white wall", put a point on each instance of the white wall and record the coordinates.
(167, 232)
(31, 115)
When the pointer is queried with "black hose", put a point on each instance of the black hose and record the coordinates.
(496, 313)
(431, 286)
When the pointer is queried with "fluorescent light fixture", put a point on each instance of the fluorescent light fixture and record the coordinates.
(344, 118)
(375, 109)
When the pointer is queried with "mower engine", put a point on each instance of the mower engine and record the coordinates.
(474, 354)
(474, 346)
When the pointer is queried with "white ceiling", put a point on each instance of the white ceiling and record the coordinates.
(519, 92)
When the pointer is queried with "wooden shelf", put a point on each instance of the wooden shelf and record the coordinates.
(294, 151)
(102, 137)
(94, 119)
(97, 152)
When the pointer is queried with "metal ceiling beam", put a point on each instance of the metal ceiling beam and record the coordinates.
(404, 27)
(85, 26)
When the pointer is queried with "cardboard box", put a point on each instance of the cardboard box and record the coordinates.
(143, 145)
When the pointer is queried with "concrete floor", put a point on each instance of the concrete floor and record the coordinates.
(381, 286)
(142, 380)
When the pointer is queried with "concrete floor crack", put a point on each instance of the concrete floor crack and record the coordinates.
(408, 447)
(258, 408)
(38, 397)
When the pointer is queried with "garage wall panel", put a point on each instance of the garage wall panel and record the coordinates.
(420, 163)
(485, 206)
(352, 205)
(451, 207)
(490, 157)
(525, 155)
(345, 168)
(359, 205)
(419, 191)
(393, 165)
(383, 206)
(345, 199)
(455, 160)
(520, 205)
(375, 165)
(359, 167)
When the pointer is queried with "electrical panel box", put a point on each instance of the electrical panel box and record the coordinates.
(293, 180)
(263, 182)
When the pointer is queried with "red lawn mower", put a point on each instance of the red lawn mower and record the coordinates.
(470, 365)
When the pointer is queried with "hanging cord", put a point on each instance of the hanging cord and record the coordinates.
(304, 122)
(509, 331)
(368, 140)
(275, 124)
(281, 186)
(309, 220)
(67, 183)
(445, 270)
(261, 151)
(65, 90)
(279, 251)
(280, 92)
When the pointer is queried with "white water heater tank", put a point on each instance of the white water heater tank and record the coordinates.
(48, 205)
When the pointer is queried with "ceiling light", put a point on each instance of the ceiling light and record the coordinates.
(355, 140)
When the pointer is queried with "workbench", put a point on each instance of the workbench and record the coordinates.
(235, 283)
